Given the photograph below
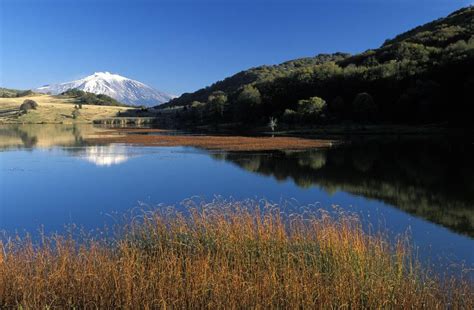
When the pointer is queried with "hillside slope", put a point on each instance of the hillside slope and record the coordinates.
(421, 76)
(54, 109)
(13, 93)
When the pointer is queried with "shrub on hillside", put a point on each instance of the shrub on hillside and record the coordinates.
(312, 108)
(28, 104)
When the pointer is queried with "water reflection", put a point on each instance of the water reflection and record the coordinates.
(430, 179)
(44, 136)
(72, 137)
(105, 155)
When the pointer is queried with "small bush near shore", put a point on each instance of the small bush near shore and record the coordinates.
(28, 104)
(225, 255)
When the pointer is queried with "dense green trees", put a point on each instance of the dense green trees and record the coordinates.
(248, 101)
(311, 109)
(290, 117)
(337, 106)
(311, 106)
(364, 107)
(217, 102)
(423, 75)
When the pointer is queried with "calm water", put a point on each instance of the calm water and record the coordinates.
(50, 178)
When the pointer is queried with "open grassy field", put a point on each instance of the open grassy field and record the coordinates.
(53, 110)
(225, 255)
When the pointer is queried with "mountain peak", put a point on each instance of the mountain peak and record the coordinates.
(105, 74)
(116, 86)
(100, 74)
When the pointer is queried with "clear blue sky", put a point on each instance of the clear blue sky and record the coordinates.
(183, 45)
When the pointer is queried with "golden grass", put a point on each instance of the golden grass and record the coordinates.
(224, 255)
(226, 143)
(55, 110)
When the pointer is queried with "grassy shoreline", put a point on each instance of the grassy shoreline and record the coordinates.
(225, 255)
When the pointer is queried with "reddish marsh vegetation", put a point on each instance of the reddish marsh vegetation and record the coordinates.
(226, 143)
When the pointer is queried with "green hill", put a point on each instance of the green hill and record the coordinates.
(14, 93)
(91, 98)
(255, 76)
(424, 75)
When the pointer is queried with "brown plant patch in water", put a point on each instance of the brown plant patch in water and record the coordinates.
(210, 142)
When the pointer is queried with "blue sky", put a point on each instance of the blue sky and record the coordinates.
(183, 45)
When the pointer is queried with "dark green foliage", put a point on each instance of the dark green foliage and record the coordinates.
(424, 75)
(196, 111)
(364, 107)
(28, 104)
(248, 103)
(337, 106)
(441, 32)
(235, 83)
(290, 116)
(311, 109)
(313, 105)
(216, 102)
(90, 98)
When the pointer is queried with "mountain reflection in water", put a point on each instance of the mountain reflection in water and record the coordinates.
(105, 155)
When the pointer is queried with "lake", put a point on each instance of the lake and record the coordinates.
(51, 177)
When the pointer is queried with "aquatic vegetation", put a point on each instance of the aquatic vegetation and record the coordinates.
(210, 142)
(225, 254)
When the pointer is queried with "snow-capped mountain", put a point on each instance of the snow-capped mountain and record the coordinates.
(118, 87)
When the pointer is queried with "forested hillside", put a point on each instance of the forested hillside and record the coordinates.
(422, 76)
(90, 98)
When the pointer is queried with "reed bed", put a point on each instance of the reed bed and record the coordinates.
(224, 254)
(209, 142)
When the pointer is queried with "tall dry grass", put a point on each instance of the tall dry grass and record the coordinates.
(224, 255)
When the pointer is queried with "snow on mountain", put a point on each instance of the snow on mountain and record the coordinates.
(118, 87)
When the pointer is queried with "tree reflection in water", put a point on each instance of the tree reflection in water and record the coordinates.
(427, 178)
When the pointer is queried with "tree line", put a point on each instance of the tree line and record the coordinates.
(422, 76)
(83, 97)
